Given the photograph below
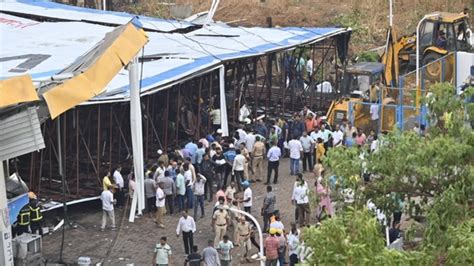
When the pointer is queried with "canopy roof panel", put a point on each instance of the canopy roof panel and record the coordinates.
(43, 49)
(55, 11)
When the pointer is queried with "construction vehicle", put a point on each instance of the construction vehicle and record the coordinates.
(400, 58)
(361, 83)
(440, 33)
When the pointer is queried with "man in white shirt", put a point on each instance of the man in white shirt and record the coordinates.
(118, 178)
(107, 198)
(198, 189)
(250, 141)
(160, 205)
(238, 167)
(309, 68)
(337, 137)
(296, 150)
(273, 156)
(216, 118)
(374, 146)
(188, 177)
(247, 200)
(307, 142)
(300, 197)
(187, 227)
(374, 116)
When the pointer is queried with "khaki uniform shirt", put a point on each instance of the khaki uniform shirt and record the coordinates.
(220, 217)
(258, 149)
(243, 229)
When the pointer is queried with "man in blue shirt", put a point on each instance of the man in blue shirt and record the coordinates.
(192, 148)
(261, 129)
(229, 156)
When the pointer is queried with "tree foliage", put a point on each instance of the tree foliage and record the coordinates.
(435, 174)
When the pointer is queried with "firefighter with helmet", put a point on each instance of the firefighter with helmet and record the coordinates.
(36, 217)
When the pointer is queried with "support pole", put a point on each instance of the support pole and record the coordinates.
(259, 229)
(224, 122)
(6, 250)
(137, 139)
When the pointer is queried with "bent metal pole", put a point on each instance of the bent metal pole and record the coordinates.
(259, 229)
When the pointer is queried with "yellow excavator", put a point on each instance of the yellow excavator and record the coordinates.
(440, 33)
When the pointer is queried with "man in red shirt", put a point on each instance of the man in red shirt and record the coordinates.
(271, 248)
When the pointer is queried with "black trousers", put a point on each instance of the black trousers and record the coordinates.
(272, 166)
(120, 197)
(188, 241)
(307, 161)
(293, 259)
(169, 203)
(208, 187)
(239, 176)
(150, 204)
(266, 221)
(36, 226)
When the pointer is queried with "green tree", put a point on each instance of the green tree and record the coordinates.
(434, 173)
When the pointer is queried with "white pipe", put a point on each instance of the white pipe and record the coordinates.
(137, 135)
(418, 47)
(223, 104)
(390, 16)
(259, 229)
(104, 7)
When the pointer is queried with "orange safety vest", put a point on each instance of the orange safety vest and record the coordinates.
(36, 214)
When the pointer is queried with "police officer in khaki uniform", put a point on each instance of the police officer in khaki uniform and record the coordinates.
(243, 230)
(220, 220)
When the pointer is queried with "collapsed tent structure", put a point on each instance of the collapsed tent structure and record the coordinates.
(185, 71)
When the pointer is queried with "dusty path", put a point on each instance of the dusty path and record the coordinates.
(134, 242)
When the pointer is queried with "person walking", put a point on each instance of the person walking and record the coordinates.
(108, 201)
(198, 189)
(300, 196)
(258, 152)
(247, 200)
(225, 247)
(273, 156)
(296, 151)
(220, 220)
(193, 259)
(243, 230)
(160, 205)
(271, 245)
(307, 143)
(187, 227)
(162, 255)
(238, 167)
(268, 207)
(210, 254)
(150, 194)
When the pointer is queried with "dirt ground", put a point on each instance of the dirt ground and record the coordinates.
(134, 242)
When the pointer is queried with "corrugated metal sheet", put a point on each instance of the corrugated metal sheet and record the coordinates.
(20, 134)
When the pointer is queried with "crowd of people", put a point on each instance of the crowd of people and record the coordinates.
(223, 169)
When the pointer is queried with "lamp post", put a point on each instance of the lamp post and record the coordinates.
(259, 229)
(418, 46)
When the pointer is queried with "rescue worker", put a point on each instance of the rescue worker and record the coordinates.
(36, 217)
(23, 221)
